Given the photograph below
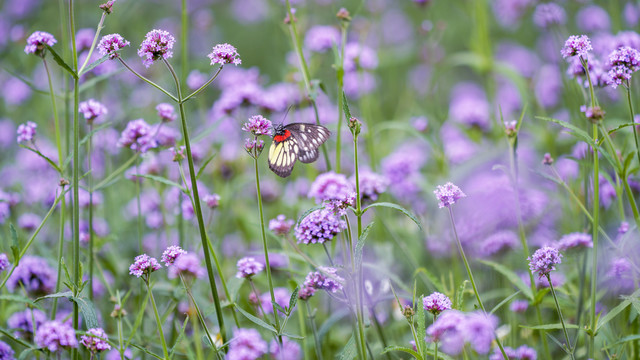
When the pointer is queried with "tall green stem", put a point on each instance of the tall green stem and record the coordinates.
(165, 351)
(93, 44)
(358, 274)
(632, 120)
(564, 328)
(594, 267)
(197, 207)
(90, 184)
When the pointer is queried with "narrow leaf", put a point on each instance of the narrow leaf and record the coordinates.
(256, 320)
(160, 179)
(94, 64)
(349, 350)
(504, 302)
(15, 245)
(292, 336)
(403, 349)
(146, 351)
(612, 314)
(204, 165)
(556, 326)
(396, 207)
(293, 300)
(61, 62)
(88, 311)
(360, 245)
(345, 107)
(53, 164)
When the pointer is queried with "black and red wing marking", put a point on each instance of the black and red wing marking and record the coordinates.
(295, 141)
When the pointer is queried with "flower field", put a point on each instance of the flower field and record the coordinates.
(319, 179)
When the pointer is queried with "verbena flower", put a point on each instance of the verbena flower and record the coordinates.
(110, 44)
(549, 14)
(593, 19)
(246, 344)
(34, 274)
(452, 329)
(319, 227)
(280, 225)
(224, 54)
(137, 136)
(623, 62)
(371, 185)
(37, 41)
(330, 186)
(170, 255)
(166, 112)
(576, 46)
(187, 265)
(436, 303)
(519, 306)
(156, 45)
(321, 38)
(23, 322)
(212, 200)
(339, 206)
(144, 265)
(448, 194)
(26, 132)
(257, 125)
(574, 241)
(4, 262)
(325, 279)
(248, 267)
(479, 331)
(522, 353)
(544, 260)
(56, 336)
(6, 352)
(91, 110)
(95, 341)
(281, 295)
(499, 242)
(306, 292)
(288, 350)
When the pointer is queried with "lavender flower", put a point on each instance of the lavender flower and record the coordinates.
(330, 186)
(224, 54)
(448, 194)
(544, 260)
(446, 331)
(34, 274)
(436, 303)
(110, 44)
(170, 255)
(519, 306)
(526, 353)
(549, 14)
(23, 322)
(166, 112)
(212, 200)
(248, 267)
(306, 292)
(339, 206)
(144, 265)
(623, 62)
(26, 132)
(187, 265)
(137, 136)
(576, 46)
(257, 125)
(371, 185)
(321, 38)
(92, 109)
(6, 352)
(280, 225)
(289, 350)
(325, 279)
(479, 331)
(95, 341)
(37, 42)
(574, 241)
(281, 295)
(156, 45)
(318, 227)
(4, 262)
(55, 336)
(247, 344)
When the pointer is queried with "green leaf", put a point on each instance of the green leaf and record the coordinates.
(204, 165)
(620, 127)
(65, 294)
(360, 245)
(146, 351)
(17, 299)
(53, 164)
(25, 353)
(15, 245)
(9, 334)
(556, 326)
(180, 335)
(396, 207)
(403, 349)
(94, 80)
(511, 276)
(345, 107)
(293, 300)
(349, 350)
(623, 340)
(256, 320)
(25, 80)
(94, 64)
(506, 300)
(309, 211)
(612, 314)
(84, 304)
(421, 326)
(278, 307)
(160, 179)
(61, 62)
(459, 298)
(292, 336)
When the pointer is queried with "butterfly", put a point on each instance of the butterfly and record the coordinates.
(297, 141)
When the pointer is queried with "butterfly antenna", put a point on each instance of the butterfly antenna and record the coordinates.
(286, 113)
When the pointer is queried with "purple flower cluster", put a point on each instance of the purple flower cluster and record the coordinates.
(144, 265)
(156, 45)
(91, 110)
(321, 38)
(330, 186)
(258, 125)
(371, 185)
(576, 46)
(519, 306)
(319, 227)
(110, 44)
(339, 206)
(56, 336)
(448, 194)
(453, 328)
(499, 242)
(575, 241)
(6, 352)
(522, 353)
(280, 225)
(549, 14)
(325, 279)
(623, 62)
(137, 136)
(37, 41)
(170, 255)
(187, 265)
(436, 303)
(23, 322)
(4, 262)
(248, 267)
(281, 295)
(224, 54)
(289, 350)
(212, 200)
(247, 344)
(166, 112)
(469, 106)
(95, 340)
(34, 274)
(26, 132)
(544, 260)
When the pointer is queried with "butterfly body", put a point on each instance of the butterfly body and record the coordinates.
(297, 141)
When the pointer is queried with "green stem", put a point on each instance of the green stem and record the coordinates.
(205, 84)
(184, 39)
(340, 79)
(199, 313)
(312, 321)
(158, 321)
(90, 184)
(93, 44)
(596, 214)
(631, 117)
(149, 81)
(564, 328)
(358, 274)
(197, 208)
(435, 353)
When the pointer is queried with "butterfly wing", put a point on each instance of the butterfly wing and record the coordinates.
(309, 138)
(283, 155)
